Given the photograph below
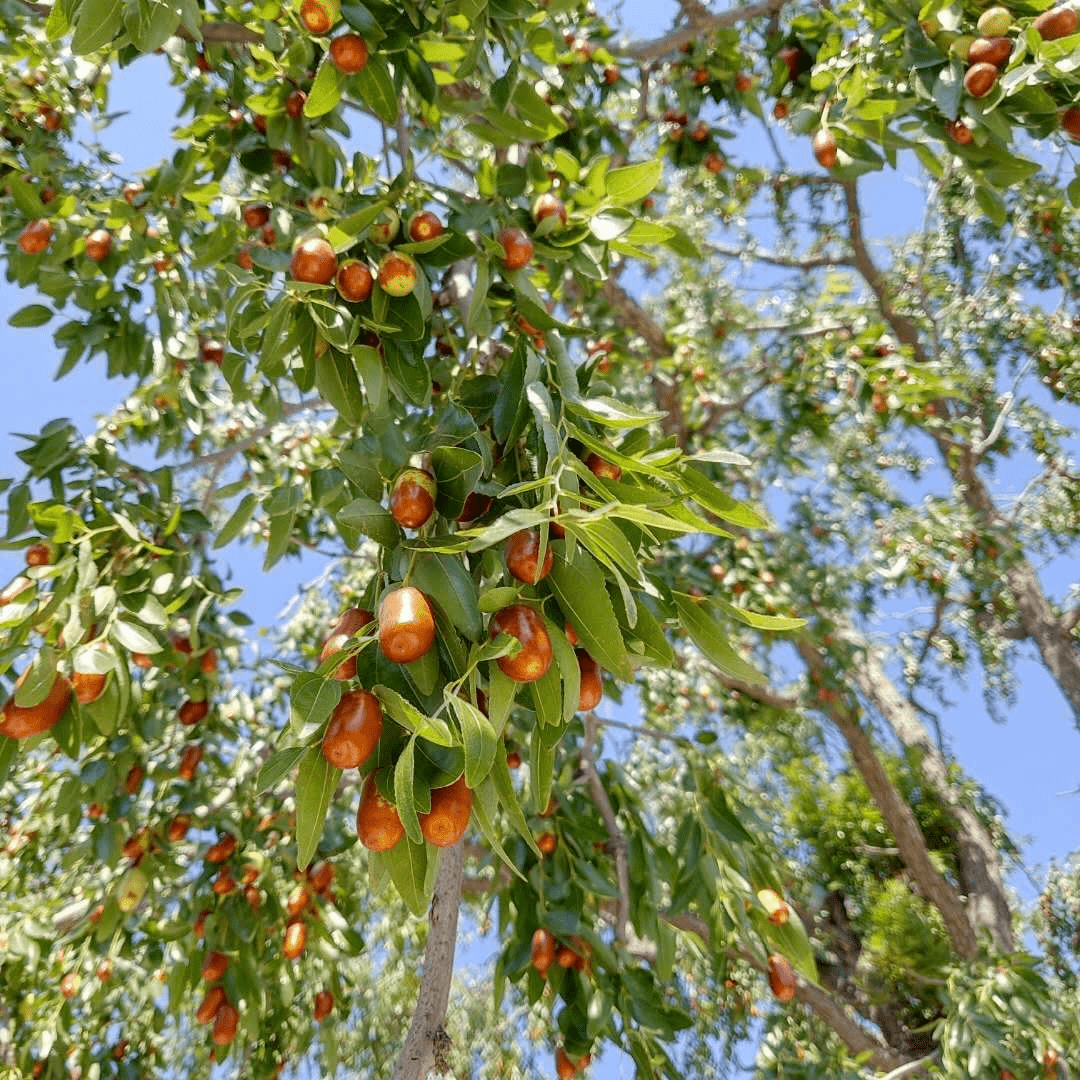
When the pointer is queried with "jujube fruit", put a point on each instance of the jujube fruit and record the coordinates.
(295, 939)
(23, 722)
(979, 79)
(406, 625)
(88, 686)
(548, 205)
(446, 821)
(398, 273)
(534, 659)
(191, 712)
(424, 225)
(222, 850)
(211, 1002)
(314, 261)
(517, 248)
(189, 762)
(214, 966)
(319, 15)
(256, 215)
(98, 245)
(602, 468)
(324, 1005)
(592, 685)
(321, 876)
(824, 147)
(959, 132)
(349, 53)
(547, 843)
(1070, 121)
(225, 1024)
(523, 556)
(354, 281)
(542, 952)
(35, 236)
(38, 555)
(377, 822)
(354, 730)
(178, 828)
(995, 50)
(351, 620)
(1056, 23)
(412, 498)
(781, 978)
(994, 22)
(294, 104)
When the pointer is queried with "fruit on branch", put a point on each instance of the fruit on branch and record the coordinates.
(178, 828)
(134, 780)
(354, 281)
(406, 625)
(517, 248)
(797, 60)
(398, 273)
(319, 15)
(35, 236)
(1056, 23)
(98, 245)
(523, 556)
(88, 686)
(565, 1068)
(349, 53)
(412, 498)
(354, 730)
(592, 684)
(714, 163)
(294, 104)
(377, 822)
(222, 850)
(548, 205)
(352, 620)
(781, 978)
(477, 504)
(994, 22)
(39, 555)
(212, 351)
(979, 79)
(314, 261)
(295, 938)
(225, 1025)
(534, 659)
(298, 901)
(1070, 121)
(23, 722)
(131, 890)
(547, 843)
(824, 146)
(256, 215)
(69, 984)
(385, 227)
(14, 589)
(775, 905)
(996, 51)
(211, 1002)
(959, 132)
(780, 110)
(451, 807)
(324, 1005)
(542, 952)
(424, 225)
(191, 712)
(743, 82)
(189, 762)
(214, 966)
(602, 468)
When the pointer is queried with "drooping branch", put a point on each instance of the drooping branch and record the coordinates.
(224, 32)
(426, 1039)
(700, 23)
(792, 262)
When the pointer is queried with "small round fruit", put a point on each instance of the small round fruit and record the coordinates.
(212, 351)
(225, 1025)
(959, 132)
(548, 205)
(517, 248)
(1057, 23)
(349, 53)
(319, 15)
(565, 1069)
(477, 504)
(780, 110)
(294, 104)
(398, 273)
(377, 822)
(424, 225)
(256, 215)
(542, 953)
(412, 498)
(214, 966)
(714, 163)
(547, 843)
(69, 984)
(191, 712)
(592, 685)
(88, 686)
(314, 261)
(324, 1005)
(223, 884)
(211, 1002)
(781, 978)
(979, 79)
(38, 555)
(1070, 121)
(189, 762)
(602, 468)
(354, 281)
(352, 620)
(824, 146)
(295, 939)
(35, 236)
(523, 557)
(995, 50)
(406, 625)
(994, 22)
(385, 227)
(513, 760)
(446, 821)
(534, 659)
(222, 851)
(178, 828)
(98, 245)
(743, 82)
(354, 730)
(23, 722)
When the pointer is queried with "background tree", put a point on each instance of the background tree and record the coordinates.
(576, 359)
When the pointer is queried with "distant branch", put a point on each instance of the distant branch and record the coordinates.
(811, 262)
(227, 32)
(700, 23)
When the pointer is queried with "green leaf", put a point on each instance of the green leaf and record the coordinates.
(312, 699)
(135, 638)
(547, 697)
(407, 864)
(456, 472)
(708, 635)
(9, 748)
(376, 87)
(615, 414)
(98, 22)
(325, 91)
(580, 588)
(31, 315)
(711, 498)
(445, 579)
(485, 805)
(757, 620)
(315, 785)
(405, 792)
(541, 770)
(480, 740)
(278, 766)
(372, 520)
(237, 520)
(790, 939)
(337, 381)
(565, 659)
(151, 23)
(504, 785)
(632, 183)
(412, 719)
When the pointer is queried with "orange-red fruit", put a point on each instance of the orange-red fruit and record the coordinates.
(38, 555)
(523, 557)
(824, 146)
(549, 205)
(743, 82)
(189, 762)
(1056, 23)
(424, 225)
(256, 215)
(354, 281)
(214, 966)
(349, 53)
(571, 634)
(565, 957)
(377, 823)
(225, 1024)
(23, 722)
(995, 50)
(354, 730)
(298, 901)
(134, 779)
(324, 1005)
(212, 351)
(352, 620)
(715, 164)
(321, 876)
(69, 984)
(178, 827)
(412, 499)
(603, 468)
(513, 760)
(223, 884)
(406, 625)
(318, 15)
(1070, 121)
(534, 659)
(314, 261)
(451, 807)
(295, 939)
(517, 248)
(213, 1000)
(294, 104)
(477, 504)
(592, 685)
(547, 843)
(222, 850)
(543, 950)
(781, 978)
(191, 712)
(398, 273)
(99, 244)
(959, 132)
(88, 686)
(199, 926)
(979, 79)
(35, 236)
(565, 1069)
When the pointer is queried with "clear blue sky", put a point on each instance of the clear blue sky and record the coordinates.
(1028, 763)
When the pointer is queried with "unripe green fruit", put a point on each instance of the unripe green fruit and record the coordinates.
(398, 273)
(961, 45)
(323, 203)
(131, 890)
(994, 22)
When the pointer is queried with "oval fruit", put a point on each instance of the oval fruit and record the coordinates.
(225, 1024)
(517, 248)
(88, 686)
(996, 51)
(446, 821)
(256, 215)
(1056, 23)
(534, 659)
(178, 828)
(214, 966)
(354, 281)
(314, 261)
(603, 468)
(321, 876)
(189, 762)
(824, 147)
(222, 850)
(959, 132)
(352, 620)
(324, 1005)
(994, 22)
(406, 625)
(412, 499)
(223, 884)
(349, 53)
(211, 1002)
(1070, 121)
(398, 273)
(592, 683)
(547, 843)
(377, 822)
(385, 227)
(523, 557)
(542, 953)
(477, 504)
(548, 205)
(354, 730)
(98, 245)
(35, 236)
(298, 901)
(424, 225)
(22, 722)
(295, 939)
(565, 1069)
(191, 712)
(979, 79)
(781, 978)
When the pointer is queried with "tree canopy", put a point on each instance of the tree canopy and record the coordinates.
(655, 508)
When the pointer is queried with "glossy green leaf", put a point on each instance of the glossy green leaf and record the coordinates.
(708, 635)
(405, 792)
(446, 581)
(315, 783)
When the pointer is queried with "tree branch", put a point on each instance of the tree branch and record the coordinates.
(227, 32)
(811, 262)
(700, 23)
(426, 1037)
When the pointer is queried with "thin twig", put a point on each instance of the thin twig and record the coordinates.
(700, 23)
